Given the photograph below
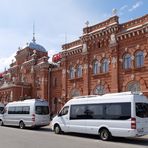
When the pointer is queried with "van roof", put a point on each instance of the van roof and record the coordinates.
(27, 101)
(112, 97)
(109, 94)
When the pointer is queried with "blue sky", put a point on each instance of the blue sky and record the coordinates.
(55, 18)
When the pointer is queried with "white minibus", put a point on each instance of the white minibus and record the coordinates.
(118, 114)
(27, 113)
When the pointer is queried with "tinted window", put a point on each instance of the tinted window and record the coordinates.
(26, 110)
(42, 110)
(113, 111)
(142, 110)
(11, 110)
(78, 112)
(117, 111)
(19, 110)
(64, 111)
(95, 111)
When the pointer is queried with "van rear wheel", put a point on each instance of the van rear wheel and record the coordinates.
(21, 125)
(105, 134)
(57, 129)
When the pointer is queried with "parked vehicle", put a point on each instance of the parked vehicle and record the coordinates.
(118, 114)
(27, 113)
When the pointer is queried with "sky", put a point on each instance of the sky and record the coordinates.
(56, 21)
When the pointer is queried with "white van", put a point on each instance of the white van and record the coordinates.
(118, 114)
(27, 113)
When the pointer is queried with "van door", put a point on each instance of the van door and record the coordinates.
(63, 119)
(78, 118)
(41, 115)
(142, 118)
(9, 116)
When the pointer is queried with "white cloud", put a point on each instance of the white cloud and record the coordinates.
(135, 6)
(123, 7)
(5, 62)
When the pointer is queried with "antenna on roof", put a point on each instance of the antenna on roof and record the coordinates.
(33, 33)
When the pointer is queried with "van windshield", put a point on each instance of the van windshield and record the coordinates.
(142, 110)
(42, 110)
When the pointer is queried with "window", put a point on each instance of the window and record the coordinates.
(142, 110)
(96, 69)
(117, 111)
(127, 61)
(108, 111)
(26, 110)
(99, 90)
(78, 112)
(11, 110)
(133, 86)
(42, 110)
(105, 67)
(139, 61)
(72, 72)
(75, 92)
(95, 111)
(79, 71)
(19, 110)
(64, 111)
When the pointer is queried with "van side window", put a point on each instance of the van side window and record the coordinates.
(142, 110)
(11, 110)
(78, 112)
(19, 110)
(95, 111)
(64, 111)
(117, 111)
(113, 111)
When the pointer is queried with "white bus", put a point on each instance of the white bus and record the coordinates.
(118, 114)
(27, 113)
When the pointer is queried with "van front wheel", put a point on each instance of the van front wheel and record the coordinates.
(21, 125)
(57, 129)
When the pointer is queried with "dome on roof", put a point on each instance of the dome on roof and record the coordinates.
(35, 46)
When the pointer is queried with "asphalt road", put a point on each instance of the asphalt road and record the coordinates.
(43, 138)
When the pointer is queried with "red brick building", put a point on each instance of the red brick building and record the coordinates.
(27, 77)
(108, 57)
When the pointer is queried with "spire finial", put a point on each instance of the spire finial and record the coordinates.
(33, 33)
(87, 23)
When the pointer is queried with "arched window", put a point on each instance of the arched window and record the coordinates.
(75, 92)
(79, 71)
(96, 69)
(127, 62)
(139, 59)
(105, 67)
(71, 72)
(133, 86)
(99, 90)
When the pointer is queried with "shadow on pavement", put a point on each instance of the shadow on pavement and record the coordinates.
(142, 141)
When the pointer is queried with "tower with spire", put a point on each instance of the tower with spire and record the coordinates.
(33, 33)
